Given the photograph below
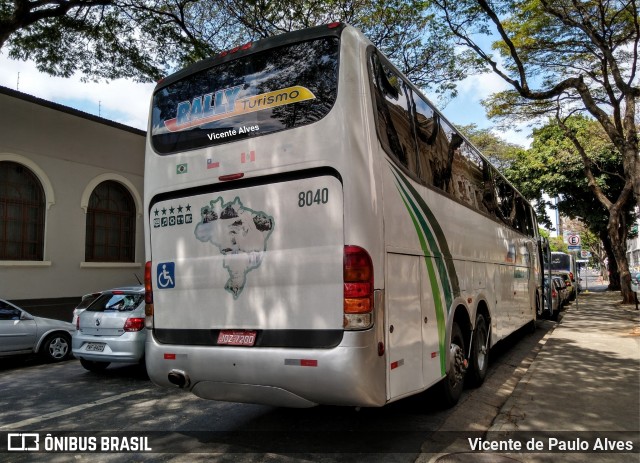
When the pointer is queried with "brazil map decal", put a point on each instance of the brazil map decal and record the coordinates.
(241, 234)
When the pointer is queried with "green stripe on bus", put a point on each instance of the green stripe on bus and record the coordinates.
(433, 246)
(438, 232)
(440, 320)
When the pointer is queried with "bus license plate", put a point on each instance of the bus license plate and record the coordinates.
(95, 347)
(236, 338)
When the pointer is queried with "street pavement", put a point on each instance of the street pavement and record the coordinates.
(579, 395)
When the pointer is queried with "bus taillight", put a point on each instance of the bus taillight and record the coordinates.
(358, 288)
(148, 297)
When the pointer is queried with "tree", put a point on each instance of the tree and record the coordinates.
(402, 29)
(563, 57)
(102, 39)
(553, 166)
(146, 39)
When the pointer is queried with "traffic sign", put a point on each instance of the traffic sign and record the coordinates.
(573, 240)
(575, 248)
(585, 254)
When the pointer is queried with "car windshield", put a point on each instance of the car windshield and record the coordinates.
(119, 302)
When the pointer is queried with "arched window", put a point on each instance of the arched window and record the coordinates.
(22, 209)
(111, 224)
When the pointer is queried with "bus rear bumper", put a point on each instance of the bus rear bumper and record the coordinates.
(234, 392)
(351, 374)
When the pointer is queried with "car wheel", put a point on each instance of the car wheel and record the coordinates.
(56, 347)
(94, 366)
(451, 385)
(479, 353)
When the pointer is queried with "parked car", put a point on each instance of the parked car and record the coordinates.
(86, 301)
(563, 290)
(23, 333)
(555, 299)
(111, 329)
(568, 281)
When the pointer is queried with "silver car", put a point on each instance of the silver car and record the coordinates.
(111, 329)
(23, 333)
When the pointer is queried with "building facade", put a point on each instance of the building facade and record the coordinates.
(70, 201)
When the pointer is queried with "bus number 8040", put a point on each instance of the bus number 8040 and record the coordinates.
(309, 198)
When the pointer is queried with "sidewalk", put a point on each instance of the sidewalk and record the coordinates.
(584, 384)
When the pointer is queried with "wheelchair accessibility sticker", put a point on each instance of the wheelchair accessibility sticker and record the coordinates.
(166, 275)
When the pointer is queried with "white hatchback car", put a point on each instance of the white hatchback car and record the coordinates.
(111, 329)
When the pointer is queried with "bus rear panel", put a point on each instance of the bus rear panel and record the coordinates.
(254, 292)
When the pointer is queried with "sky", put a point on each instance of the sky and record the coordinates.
(127, 102)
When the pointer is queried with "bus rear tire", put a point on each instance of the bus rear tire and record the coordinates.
(452, 384)
(479, 361)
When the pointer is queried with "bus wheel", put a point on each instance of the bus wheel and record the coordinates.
(479, 361)
(453, 383)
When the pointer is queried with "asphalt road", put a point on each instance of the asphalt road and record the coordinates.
(68, 402)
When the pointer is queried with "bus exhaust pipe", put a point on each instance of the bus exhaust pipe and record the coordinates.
(179, 378)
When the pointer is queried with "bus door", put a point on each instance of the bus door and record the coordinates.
(404, 323)
(415, 357)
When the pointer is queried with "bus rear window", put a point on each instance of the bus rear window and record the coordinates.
(560, 262)
(272, 90)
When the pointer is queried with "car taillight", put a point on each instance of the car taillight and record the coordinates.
(134, 324)
(358, 288)
(554, 293)
(571, 276)
(148, 297)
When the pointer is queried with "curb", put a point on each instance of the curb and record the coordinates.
(507, 418)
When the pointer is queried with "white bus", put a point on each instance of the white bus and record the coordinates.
(561, 262)
(317, 233)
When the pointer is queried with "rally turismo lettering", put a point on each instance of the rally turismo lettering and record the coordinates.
(223, 104)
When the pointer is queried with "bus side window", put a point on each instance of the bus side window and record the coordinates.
(468, 181)
(506, 201)
(394, 124)
(524, 218)
(449, 143)
(427, 124)
(489, 193)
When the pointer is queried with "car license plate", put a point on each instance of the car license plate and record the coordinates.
(95, 346)
(236, 338)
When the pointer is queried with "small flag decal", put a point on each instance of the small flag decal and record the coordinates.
(251, 157)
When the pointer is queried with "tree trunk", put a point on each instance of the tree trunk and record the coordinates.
(611, 270)
(618, 236)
